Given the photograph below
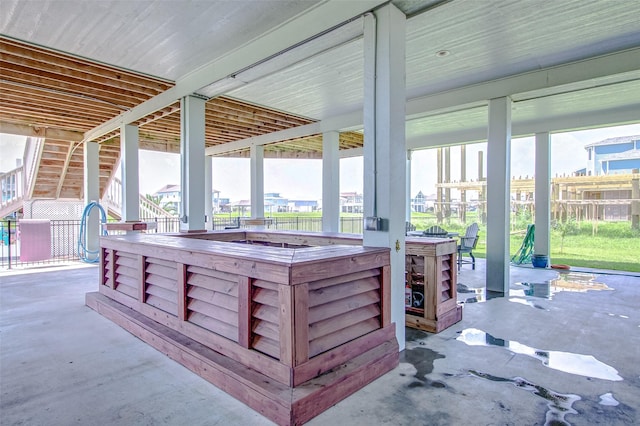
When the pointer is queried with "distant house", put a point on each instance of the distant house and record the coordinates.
(351, 202)
(613, 156)
(418, 204)
(275, 202)
(303, 206)
(169, 198)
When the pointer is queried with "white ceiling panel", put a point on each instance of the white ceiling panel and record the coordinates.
(493, 39)
(163, 38)
(487, 40)
(319, 87)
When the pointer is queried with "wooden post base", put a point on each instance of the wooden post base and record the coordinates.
(434, 326)
(276, 401)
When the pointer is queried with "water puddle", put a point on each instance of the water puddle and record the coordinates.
(582, 365)
(422, 359)
(559, 404)
(572, 281)
(470, 295)
(608, 399)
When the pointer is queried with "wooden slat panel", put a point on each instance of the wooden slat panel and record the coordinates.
(128, 290)
(266, 329)
(344, 278)
(214, 284)
(163, 271)
(265, 297)
(218, 327)
(266, 284)
(129, 272)
(127, 280)
(211, 273)
(214, 312)
(266, 346)
(127, 261)
(160, 281)
(333, 340)
(266, 313)
(168, 295)
(213, 298)
(341, 291)
(162, 304)
(167, 263)
(338, 307)
(120, 253)
(216, 342)
(341, 354)
(331, 325)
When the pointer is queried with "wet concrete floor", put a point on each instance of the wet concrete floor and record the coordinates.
(551, 353)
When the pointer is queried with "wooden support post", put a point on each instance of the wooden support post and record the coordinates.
(301, 324)
(244, 311)
(103, 262)
(182, 291)
(142, 278)
(286, 321)
(385, 284)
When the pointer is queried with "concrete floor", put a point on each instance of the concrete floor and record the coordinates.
(536, 357)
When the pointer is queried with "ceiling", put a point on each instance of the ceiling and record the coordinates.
(77, 69)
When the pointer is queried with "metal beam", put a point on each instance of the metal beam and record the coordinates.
(478, 94)
(519, 129)
(318, 19)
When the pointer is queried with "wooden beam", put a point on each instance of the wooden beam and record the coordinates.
(39, 132)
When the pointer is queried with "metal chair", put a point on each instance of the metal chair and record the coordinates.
(467, 245)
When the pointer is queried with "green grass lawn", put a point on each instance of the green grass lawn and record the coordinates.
(605, 245)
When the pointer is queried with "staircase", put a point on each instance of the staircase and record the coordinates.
(54, 170)
(112, 201)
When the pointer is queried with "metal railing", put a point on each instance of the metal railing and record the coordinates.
(148, 209)
(65, 233)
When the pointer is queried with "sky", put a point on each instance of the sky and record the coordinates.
(302, 179)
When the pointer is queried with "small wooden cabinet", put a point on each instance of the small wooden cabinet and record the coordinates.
(431, 276)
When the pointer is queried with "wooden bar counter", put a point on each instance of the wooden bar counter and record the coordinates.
(288, 323)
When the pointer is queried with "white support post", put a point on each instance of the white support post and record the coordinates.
(385, 157)
(408, 193)
(192, 126)
(498, 195)
(542, 244)
(330, 182)
(92, 193)
(257, 182)
(208, 192)
(129, 168)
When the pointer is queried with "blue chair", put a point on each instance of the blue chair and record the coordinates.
(467, 245)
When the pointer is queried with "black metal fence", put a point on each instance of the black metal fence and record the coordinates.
(65, 234)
